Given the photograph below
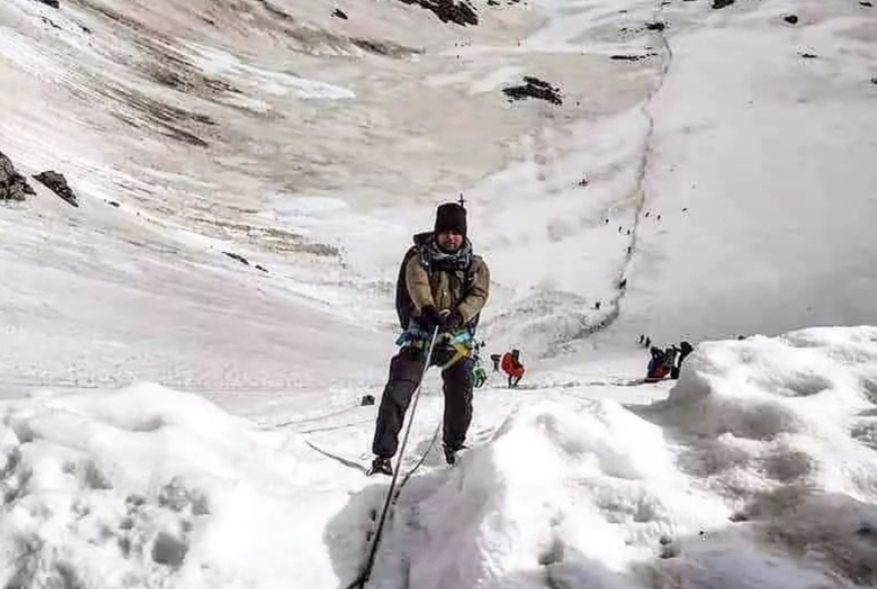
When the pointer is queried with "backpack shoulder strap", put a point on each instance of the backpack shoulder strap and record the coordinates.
(403, 300)
(471, 270)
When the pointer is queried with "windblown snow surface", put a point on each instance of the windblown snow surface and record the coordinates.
(184, 354)
(757, 471)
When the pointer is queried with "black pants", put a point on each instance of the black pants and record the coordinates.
(405, 370)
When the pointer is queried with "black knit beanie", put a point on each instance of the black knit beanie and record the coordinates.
(450, 217)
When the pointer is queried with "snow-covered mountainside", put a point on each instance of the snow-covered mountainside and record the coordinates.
(188, 330)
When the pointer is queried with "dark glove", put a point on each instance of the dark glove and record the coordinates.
(454, 320)
(431, 317)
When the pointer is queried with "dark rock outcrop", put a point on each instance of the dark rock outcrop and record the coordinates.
(719, 4)
(237, 257)
(792, 19)
(621, 57)
(52, 3)
(384, 48)
(656, 26)
(338, 13)
(458, 12)
(535, 88)
(57, 183)
(13, 186)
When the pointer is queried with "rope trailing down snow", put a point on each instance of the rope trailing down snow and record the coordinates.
(360, 581)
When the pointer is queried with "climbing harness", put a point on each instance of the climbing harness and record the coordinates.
(416, 339)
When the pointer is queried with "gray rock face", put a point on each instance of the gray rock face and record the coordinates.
(535, 88)
(57, 183)
(13, 185)
(460, 13)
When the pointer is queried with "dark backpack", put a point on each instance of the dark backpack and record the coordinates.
(404, 304)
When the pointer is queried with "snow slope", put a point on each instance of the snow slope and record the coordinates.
(709, 163)
(757, 471)
(762, 180)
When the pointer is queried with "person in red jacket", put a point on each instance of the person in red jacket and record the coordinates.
(511, 365)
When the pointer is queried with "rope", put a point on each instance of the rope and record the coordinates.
(360, 581)
(420, 462)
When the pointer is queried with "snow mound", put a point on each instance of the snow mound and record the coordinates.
(752, 474)
(813, 382)
(148, 487)
(783, 429)
(574, 495)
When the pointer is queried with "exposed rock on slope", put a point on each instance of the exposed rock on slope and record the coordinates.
(56, 182)
(13, 186)
(535, 88)
(460, 13)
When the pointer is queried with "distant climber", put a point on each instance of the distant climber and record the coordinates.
(654, 370)
(512, 366)
(597, 305)
(660, 364)
(684, 350)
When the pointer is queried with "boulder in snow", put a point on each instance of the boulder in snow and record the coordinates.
(52, 3)
(457, 12)
(535, 88)
(719, 4)
(791, 19)
(237, 257)
(338, 13)
(57, 183)
(13, 185)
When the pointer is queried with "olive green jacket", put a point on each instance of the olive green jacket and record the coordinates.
(444, 289)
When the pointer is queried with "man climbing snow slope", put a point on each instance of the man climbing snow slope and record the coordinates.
(442, 285)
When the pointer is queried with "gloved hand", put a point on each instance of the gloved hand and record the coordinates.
(432, 317)
(454, 320)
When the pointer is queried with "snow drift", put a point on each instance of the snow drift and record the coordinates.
(752, 474)
(758, 471)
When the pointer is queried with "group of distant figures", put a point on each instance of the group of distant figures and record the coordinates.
(667, 362)
(664, 363)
